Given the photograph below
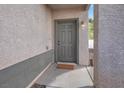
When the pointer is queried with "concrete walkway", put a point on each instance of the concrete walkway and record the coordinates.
(61, 78)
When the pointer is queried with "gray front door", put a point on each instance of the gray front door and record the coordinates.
(66, 41)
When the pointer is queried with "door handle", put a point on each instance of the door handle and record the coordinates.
(58, 42)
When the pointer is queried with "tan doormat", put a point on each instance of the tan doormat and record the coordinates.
(66, 66)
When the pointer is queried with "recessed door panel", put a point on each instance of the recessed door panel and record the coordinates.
(66, 41)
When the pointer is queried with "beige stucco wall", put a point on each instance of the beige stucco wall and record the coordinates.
(25, 31)
(83, 33)
(109, 46)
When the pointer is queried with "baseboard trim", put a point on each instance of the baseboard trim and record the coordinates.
(39, 75)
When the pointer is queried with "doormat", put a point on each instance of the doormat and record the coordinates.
(65, 66)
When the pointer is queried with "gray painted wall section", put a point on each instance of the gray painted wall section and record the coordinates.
(21, 74)
(110, 46)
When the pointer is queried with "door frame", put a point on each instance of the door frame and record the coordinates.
(77, 37)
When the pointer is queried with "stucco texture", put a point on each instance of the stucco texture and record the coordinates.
(25, 31)
(109, 65)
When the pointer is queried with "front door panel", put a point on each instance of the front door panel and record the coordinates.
(66, 41)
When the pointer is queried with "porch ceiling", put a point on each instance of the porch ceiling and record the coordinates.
(68, 6)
